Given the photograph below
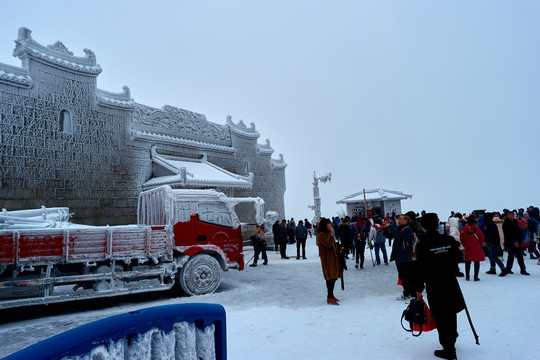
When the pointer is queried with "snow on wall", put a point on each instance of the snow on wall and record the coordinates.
(184, 342)
(96, 166)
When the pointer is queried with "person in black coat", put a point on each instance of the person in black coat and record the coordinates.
(532, 227)
(275, 230)
(437, 257)
(513, 237)
(402, 251)
(282, 238)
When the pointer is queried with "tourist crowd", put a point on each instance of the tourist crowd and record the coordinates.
(425, 250)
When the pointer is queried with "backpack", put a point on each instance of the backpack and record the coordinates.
(412, 248)
(537, 232)
(360, 234)
(379, 238)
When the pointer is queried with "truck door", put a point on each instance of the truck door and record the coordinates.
(184, 224)
(216, 227)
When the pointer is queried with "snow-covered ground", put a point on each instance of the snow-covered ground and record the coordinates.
(279, 311)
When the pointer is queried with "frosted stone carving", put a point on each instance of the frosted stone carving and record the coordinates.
(180, 121)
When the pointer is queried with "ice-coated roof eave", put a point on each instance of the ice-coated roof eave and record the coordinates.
(196, 173)
(358, 199)
(175, 181)
(374, 195)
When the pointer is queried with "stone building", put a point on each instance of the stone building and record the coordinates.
(377, 201)
(64, 142)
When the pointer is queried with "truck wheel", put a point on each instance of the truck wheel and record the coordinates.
(200, 275)
(102, 285)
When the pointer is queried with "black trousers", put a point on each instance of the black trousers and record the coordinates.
(360, 250)
(283, 247)
(515, 251)
(330, 287)
(259, 250)
(476, 268)
(406, 272)
(300, 243)
(447, 328)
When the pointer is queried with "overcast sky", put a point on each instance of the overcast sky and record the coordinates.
(438, 99)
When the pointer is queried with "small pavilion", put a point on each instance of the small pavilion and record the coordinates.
(377, 202)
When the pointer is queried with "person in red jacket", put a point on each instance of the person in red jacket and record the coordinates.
(472, 239)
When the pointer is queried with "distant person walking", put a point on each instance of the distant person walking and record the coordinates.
(532, 228)
(308, 226)
(301, 236)
(360, 234)
(275, 231)
(259, 244)
(402, 250)
(472, 239)
(329, 258)
(512, 242)
(282, 237)
(376, 236)
(455, 232)
(493, 243)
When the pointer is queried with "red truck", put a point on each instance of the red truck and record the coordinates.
(184, 237)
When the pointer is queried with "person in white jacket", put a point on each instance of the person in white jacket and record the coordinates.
(453, 231)
(376, 237)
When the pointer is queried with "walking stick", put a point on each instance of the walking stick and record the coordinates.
(247, 262)
(470, 323)
(469, 318)
(371, 252)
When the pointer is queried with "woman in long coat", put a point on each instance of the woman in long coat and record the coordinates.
(472, 239)
(329, 258)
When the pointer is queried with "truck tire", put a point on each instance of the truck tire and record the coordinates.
(200, 275)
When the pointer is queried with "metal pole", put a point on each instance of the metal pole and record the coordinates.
(365, 204)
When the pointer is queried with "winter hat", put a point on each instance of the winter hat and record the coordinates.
(430, 222)
(411, 215)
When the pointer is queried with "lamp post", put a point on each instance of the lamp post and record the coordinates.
(316, 207)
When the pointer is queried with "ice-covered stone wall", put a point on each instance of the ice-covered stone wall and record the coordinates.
(64, 142)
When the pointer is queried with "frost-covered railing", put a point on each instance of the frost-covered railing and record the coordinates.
(179, 332)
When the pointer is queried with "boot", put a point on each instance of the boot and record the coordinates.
(332, 301)
(253, 265)
(504, 272)
(444, 354)
(491, 271)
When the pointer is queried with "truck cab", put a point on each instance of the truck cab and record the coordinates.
(203, 222)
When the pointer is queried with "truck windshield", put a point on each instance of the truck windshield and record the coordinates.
(215, 213)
